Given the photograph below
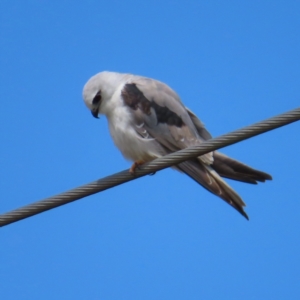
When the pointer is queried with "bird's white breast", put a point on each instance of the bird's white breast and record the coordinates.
(122, 130)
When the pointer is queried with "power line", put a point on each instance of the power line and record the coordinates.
(148, 168)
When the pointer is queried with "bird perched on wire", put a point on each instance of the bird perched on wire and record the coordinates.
(147, 120)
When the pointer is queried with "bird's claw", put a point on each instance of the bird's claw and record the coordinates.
(135, 166)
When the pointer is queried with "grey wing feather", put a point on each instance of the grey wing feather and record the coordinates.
(202, 131)
(210, 180)
(226, 166)
(179, 137)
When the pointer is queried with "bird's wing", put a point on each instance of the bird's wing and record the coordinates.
(159, 109)
(158, 112)
(202, 131)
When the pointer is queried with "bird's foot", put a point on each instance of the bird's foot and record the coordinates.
(135, 166)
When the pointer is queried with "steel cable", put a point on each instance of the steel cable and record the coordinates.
(151, 167)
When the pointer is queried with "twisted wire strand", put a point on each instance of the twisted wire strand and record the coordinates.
(148, 168)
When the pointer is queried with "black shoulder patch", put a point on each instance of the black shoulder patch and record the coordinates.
(135, 99)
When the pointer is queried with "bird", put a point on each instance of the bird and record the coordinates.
(148, 120)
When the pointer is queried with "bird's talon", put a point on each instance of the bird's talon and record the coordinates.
(135, 166)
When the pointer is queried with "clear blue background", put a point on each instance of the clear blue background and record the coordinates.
(161, 237)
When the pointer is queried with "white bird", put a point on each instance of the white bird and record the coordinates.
(147, 120)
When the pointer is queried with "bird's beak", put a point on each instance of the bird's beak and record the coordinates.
(95, 113)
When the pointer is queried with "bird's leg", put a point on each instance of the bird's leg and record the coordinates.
(135, 166)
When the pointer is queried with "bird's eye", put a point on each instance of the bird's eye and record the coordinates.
(97, 98)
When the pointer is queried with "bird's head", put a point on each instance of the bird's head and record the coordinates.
(98, 91)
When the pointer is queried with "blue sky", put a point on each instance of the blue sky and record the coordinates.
(160, 237)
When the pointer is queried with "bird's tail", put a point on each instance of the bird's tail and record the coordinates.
(209, 179)
(233, 169)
